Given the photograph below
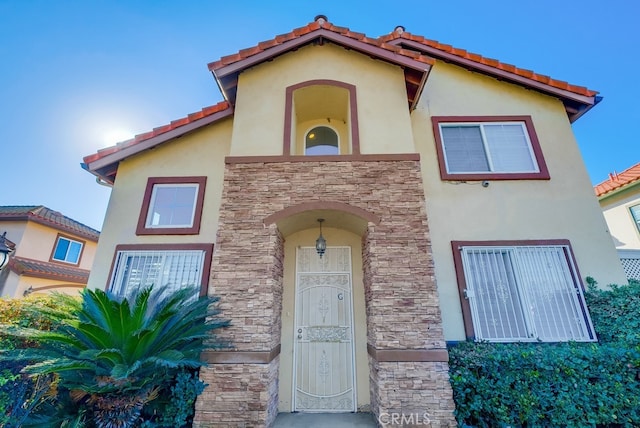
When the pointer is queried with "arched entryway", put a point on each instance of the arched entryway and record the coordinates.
(377, 207)
(323, 360)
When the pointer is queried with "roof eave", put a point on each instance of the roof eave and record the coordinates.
(621, 189)
(568, 97)
(105, 167)
(227, 75)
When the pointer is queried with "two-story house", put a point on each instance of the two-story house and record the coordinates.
(52, 252)
(454, 205)
(619, 198)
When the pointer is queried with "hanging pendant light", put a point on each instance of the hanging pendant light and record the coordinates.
(321, 243)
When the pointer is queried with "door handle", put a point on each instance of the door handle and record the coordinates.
(299, 336)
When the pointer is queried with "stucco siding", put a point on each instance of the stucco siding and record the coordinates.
(563, 207)
(200, 153)
(383, 116)
(616, 209)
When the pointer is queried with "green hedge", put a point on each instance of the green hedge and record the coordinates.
(556, 385)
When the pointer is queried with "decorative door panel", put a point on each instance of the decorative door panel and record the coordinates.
(324, 361)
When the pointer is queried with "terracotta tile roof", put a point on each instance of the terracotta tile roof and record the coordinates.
(461, 53)
(314, 26)
(48, 217)
(175, 124)
(40, 269)
(104, 163)
(618, 180)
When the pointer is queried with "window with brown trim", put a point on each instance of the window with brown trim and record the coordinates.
(67, 250)
(521, 291)
(172, 266)
(488, 148)
(172, 206)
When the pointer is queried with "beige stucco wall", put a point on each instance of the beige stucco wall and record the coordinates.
(200, 153)
(384, 121)
(306, 238)
(622, 227)
(44, 286)
(563, 207)
(36, 241)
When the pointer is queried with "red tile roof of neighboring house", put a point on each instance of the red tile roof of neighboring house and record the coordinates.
(618, 180)
(40, 269)
(415, 54)
(48, 217)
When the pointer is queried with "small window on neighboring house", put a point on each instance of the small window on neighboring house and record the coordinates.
(488, 148)
(135, 269)
(635, 213)
(515, 293)
(172, 205)
(322, 140)
(67, 250)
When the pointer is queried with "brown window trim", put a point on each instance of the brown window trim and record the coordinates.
(206, 267)
(141, 229)
(543, 174)
(353, 112)
(55, 245)
(462, 284)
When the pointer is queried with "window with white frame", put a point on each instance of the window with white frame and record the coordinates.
(172, 205)
(67, 250)
(635, 213)
(487, 147)
(174, 269)
(524, 293)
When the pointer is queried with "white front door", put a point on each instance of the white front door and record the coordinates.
(323, 335)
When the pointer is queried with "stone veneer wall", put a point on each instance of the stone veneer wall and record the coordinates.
(403, 314)
(246, 273)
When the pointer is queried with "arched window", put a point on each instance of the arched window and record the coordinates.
(321, 140)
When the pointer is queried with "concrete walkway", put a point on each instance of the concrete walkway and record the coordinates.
(325, 420)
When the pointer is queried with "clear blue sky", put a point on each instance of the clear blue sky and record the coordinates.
(74, 75)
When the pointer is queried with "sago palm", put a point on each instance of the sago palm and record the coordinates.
(114, 355)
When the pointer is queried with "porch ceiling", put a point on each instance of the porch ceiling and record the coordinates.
(332, 219)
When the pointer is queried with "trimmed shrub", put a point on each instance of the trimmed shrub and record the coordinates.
(18, 392)
(556, 384)
(616, 312)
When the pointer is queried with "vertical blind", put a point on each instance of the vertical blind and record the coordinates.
(174, 270)
(525, 293)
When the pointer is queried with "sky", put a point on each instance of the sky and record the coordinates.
(77, 76)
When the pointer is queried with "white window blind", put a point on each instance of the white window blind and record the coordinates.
(174, 270)
(525, 293)
(487, 147)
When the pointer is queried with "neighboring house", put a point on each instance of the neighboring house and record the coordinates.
(51, 251)
(455, 205)
(619, 198)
